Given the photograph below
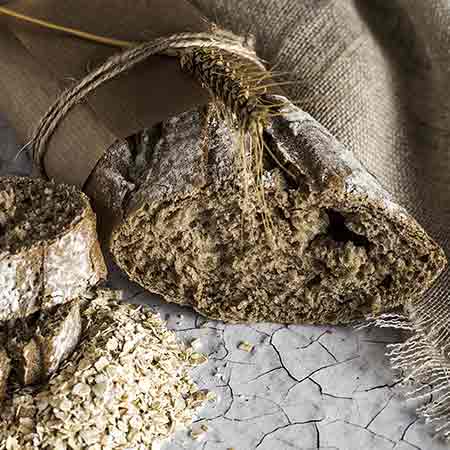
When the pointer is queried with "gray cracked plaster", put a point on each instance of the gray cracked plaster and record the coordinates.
(301, 387)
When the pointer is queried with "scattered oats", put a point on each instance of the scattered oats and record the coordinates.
(89, 437)
(99, 389)
(101, 364)
(127, 386)
(245, 346)
(81, 389)
(198, 398)
(112, 344)
(65, 405)
(198, 359)
(11, 443)
(136, 422)
(197, 433)
(196, 343)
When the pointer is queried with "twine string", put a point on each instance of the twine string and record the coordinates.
(133, 53)
(174, 45)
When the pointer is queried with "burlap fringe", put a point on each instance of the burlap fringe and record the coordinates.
(421, 363)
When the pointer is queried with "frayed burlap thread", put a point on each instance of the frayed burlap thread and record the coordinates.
(424, 361)
(421, 362)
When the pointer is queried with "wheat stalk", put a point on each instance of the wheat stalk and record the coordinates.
(78, 33)
(240, 89)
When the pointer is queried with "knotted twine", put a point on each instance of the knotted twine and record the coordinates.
(175, 45)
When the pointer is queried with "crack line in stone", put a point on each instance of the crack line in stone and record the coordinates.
(258, 331)
(282, 427)
(317, 435)
(264, 374)
(339, 397)
(328, 351)
(379, 412)
(366, 429)
(370, 341)
(328, 366)
(381, 386)
(241, 363)
(412, 445)
(314, 340)
(308, 377)
(286, 416)
(281, 360)
(416, 419)
(249, 419)
(408, 427)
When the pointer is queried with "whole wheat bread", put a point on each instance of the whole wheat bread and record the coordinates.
(342, 247)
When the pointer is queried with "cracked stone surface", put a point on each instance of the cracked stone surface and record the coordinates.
(300, 387)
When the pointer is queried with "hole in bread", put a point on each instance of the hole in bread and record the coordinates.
(339, 231)
(315, 281)
(424, 258)
(387, 282)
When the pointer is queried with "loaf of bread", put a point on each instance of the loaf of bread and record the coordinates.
(341, 247)
(49, 252)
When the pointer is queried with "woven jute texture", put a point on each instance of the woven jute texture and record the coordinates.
(376, 73)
